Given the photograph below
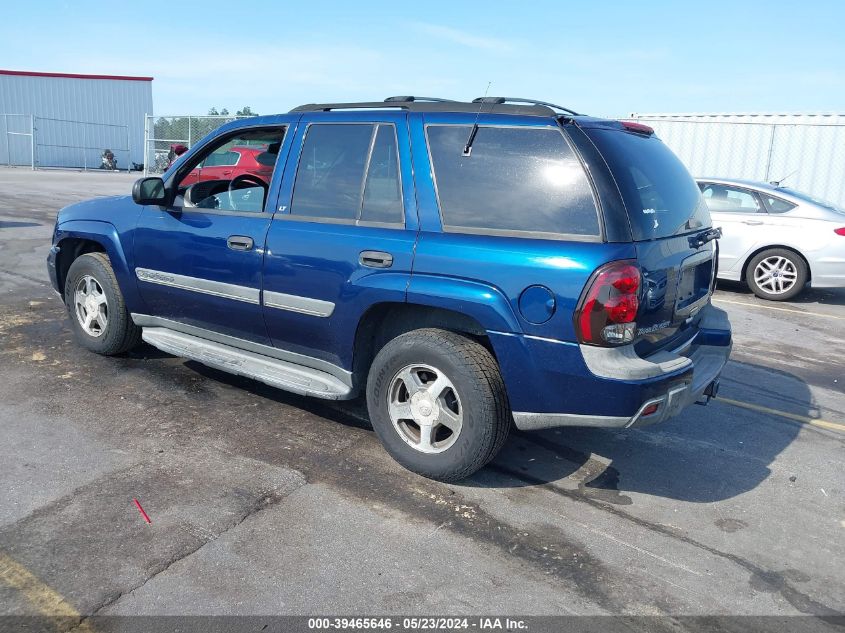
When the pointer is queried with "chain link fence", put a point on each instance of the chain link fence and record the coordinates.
(81, 144)
(16, 140)
(806, 152)
(44, 142)
(161, 133)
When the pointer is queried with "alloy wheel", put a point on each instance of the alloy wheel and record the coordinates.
(776, 275)
(425, 408)
(91, 306)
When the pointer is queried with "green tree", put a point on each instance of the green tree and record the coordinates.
(246, 111)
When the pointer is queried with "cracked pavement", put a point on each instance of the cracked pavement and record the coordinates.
(265, 503)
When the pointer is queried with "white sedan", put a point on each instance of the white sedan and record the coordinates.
(774, 238)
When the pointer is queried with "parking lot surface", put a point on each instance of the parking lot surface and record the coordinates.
(262, 502)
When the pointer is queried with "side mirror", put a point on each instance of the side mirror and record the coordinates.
(149, 191)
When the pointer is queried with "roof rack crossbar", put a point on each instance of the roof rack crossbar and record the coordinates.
(412, 98)
(502, 100)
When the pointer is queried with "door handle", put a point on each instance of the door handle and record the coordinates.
(752, 222)
(375, 259)
(240, 243)
(226, 173)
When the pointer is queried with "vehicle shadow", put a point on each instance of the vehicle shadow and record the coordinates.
(828, 296)
(145, 351)
(733, 286)
(351, 413)
(705, 454)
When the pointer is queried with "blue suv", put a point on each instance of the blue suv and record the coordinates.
(466, 266)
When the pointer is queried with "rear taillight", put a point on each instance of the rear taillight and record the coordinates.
(840, 231)
(608, 308)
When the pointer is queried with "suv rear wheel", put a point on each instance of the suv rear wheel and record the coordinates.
(438, 403)
(98, 314)
(776, 274)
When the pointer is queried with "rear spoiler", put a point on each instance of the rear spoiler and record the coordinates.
(608, 124)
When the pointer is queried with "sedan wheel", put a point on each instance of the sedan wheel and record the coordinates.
(777, 274)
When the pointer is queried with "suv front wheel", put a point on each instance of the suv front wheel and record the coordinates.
(98, 314)
(438, 403)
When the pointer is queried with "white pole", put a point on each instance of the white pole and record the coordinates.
(146, 144)
(769, 154)
(32, 136)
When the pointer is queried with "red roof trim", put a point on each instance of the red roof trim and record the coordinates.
(29, 73)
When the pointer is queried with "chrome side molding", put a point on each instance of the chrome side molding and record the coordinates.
(196, 284)
(279, 300)
(296, 303)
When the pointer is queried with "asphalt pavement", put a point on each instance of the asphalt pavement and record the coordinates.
(263, 502)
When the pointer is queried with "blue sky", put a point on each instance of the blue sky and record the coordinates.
(601, 58)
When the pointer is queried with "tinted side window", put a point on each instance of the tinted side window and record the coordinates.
(777, 205)
(383, 190)
(724, 199)
(516, 179)
(331, 171)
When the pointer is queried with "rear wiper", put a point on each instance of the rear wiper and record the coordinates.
(702, 238)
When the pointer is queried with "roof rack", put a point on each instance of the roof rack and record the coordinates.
(534, 102)
(413, 99)
(431, 104)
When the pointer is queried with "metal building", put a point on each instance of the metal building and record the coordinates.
(806, 150)
(68, 120)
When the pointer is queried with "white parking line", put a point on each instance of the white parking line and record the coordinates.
(759, 305)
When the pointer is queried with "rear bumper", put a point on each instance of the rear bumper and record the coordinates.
(655, 388)
(827, 269)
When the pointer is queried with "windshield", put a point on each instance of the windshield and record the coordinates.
(808, 198)
(661, 197)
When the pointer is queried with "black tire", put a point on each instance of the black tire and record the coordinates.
(477, 383)
(797, 263)
(120, 334)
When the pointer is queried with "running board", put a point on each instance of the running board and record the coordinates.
(271, 371)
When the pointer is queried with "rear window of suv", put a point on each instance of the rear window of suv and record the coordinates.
(661, 197)
(516, 180)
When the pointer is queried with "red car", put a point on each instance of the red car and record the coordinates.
(229, 163)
